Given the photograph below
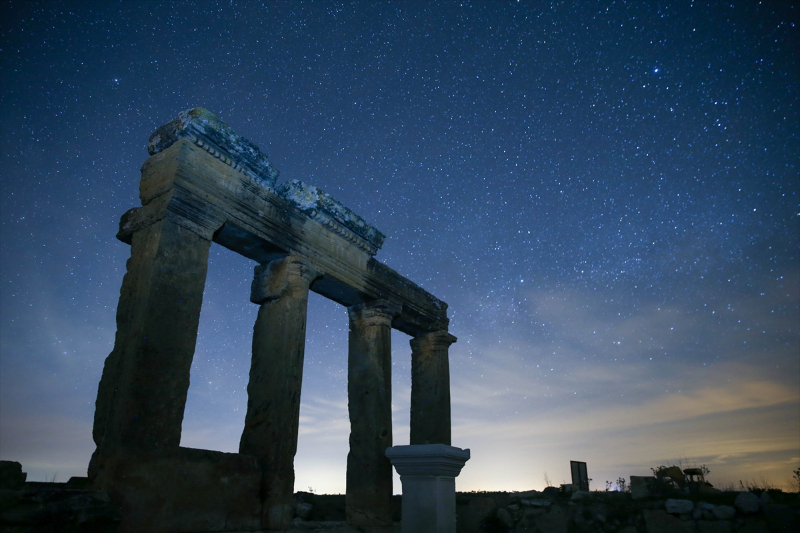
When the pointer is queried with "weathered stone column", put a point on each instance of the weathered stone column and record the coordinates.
(142, 394)
(430, 388)
(369, 392)
(276, 375)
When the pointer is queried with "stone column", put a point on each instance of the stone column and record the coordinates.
(142, 393)
(430, 388)
(428, 474)
(369, 392)
(276, 375)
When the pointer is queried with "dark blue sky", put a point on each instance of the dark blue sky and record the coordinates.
(605, 193)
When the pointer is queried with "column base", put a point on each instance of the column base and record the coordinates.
(428, 472)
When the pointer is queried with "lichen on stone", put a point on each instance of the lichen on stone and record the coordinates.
(203, 125)
(311, 199)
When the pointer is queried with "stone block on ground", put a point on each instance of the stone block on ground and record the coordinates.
(550, 492)
(469, 519)
(536, 520)
(640, 487)
(679, 506)
(11, 475)
(747, 502)
(723, 512)
(303, 510)
(184, 490)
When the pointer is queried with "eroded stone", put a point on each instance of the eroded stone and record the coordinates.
(430, 388)
(369, 393)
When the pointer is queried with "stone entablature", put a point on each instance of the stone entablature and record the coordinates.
(209, 197)
(203, 184)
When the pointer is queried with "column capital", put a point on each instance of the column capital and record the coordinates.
(437, 339)
(281, 277)
(376, 313)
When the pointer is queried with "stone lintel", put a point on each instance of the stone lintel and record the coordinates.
(323, 207)
(428, 459)
(210, 198)
(208, 132)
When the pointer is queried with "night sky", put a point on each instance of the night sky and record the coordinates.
(605, 193)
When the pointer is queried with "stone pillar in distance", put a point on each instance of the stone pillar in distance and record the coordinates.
(430, 388)
(428, 474)
(369, 392)
(142, 393)
(276, 374)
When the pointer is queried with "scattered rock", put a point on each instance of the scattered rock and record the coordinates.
(747, 502)
(679, 506)
(658, 521)
(58, 508)
(303, 510)
(538, 503)
(715, 526)
(476, 514)
(753, 525)
(723, 512)
(550, 492)
(505, 517)
(535, 519)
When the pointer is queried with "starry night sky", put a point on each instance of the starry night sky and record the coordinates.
(605, 193)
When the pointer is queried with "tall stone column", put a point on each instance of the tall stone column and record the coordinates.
(430, 388)
(369, 392)
(276, 375)
(142, 393)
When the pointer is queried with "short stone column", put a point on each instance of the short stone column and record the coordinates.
(276, 375)
(428, 473)
(430, 388)
(142, 393)
(369, 392)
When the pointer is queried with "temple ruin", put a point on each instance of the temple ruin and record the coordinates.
(203, 183)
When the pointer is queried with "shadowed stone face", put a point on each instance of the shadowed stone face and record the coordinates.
(217, 138)
(204, 183)
(430, 388)
(369, 392)
(145, 379)
(276, 375)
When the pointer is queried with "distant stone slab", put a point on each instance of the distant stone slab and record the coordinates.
(207, 131)
(328, 210)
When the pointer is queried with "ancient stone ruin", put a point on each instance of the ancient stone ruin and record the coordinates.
(203, 183)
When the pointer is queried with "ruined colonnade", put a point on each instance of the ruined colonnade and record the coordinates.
(203, 184)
